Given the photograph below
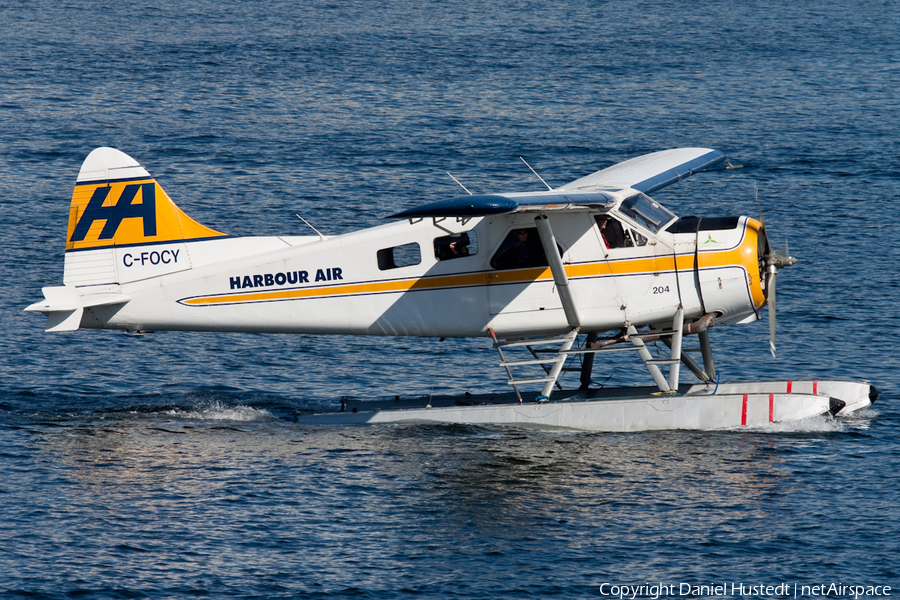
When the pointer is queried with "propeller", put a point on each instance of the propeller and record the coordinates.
(769, 263)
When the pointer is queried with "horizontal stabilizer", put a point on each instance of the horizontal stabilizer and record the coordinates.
(64, 306)
(650, 172)
(494, 204)
(108, 299)
(57, 299)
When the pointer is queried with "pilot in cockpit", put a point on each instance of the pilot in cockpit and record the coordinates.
(611, 231)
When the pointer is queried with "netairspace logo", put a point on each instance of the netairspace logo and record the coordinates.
(656, 591)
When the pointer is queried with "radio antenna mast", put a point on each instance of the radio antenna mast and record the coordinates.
(536, 174)
(321, 237)
(459, 184)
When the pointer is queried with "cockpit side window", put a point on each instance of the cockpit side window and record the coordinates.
(521, 249)
(646, 212)
(636, 238)
(615, 235)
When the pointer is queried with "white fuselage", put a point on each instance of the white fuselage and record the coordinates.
(336, 285)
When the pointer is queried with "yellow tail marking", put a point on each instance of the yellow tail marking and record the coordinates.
(122, 213)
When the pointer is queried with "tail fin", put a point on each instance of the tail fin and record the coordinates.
(115, 207)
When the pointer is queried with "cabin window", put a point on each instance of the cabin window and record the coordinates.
(646, 212)
(456, 246)
(521, 249)
(406, 255)
(615, 235)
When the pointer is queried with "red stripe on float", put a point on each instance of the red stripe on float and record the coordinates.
(790, 383)
(744, 410)
(815, 386)
(771, 407)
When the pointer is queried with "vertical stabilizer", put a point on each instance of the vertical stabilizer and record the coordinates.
(122, 225)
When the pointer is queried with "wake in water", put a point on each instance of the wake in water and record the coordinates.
(218, 411)
(822, 424)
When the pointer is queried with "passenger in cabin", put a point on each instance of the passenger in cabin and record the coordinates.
(457, 247)
(521, 249)
(611, 231)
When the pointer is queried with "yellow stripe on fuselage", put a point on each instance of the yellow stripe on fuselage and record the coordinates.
(638, 266)
(374, 287)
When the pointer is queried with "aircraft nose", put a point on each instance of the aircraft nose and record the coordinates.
(768, 257)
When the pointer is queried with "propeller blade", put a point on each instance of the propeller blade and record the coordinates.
(758, 205)
(771, 261)
(770, 284)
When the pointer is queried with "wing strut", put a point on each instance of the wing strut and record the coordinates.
(559, 271)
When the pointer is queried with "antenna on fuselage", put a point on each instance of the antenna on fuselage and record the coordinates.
(458, 183)
(536, 174)
(321, 237)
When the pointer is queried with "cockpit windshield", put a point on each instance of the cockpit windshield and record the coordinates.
(646, 211)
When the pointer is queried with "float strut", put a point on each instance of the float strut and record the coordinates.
(648, 359)
(675, 368)
(706, 349)
(587, 362)
(557, 367)
(690, 364)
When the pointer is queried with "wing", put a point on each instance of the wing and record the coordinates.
(650, 172)
(646, 174)
(483, 205)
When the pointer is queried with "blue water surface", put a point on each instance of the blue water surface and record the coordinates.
(168, 465)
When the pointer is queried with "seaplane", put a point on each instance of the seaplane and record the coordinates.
(556, 277)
